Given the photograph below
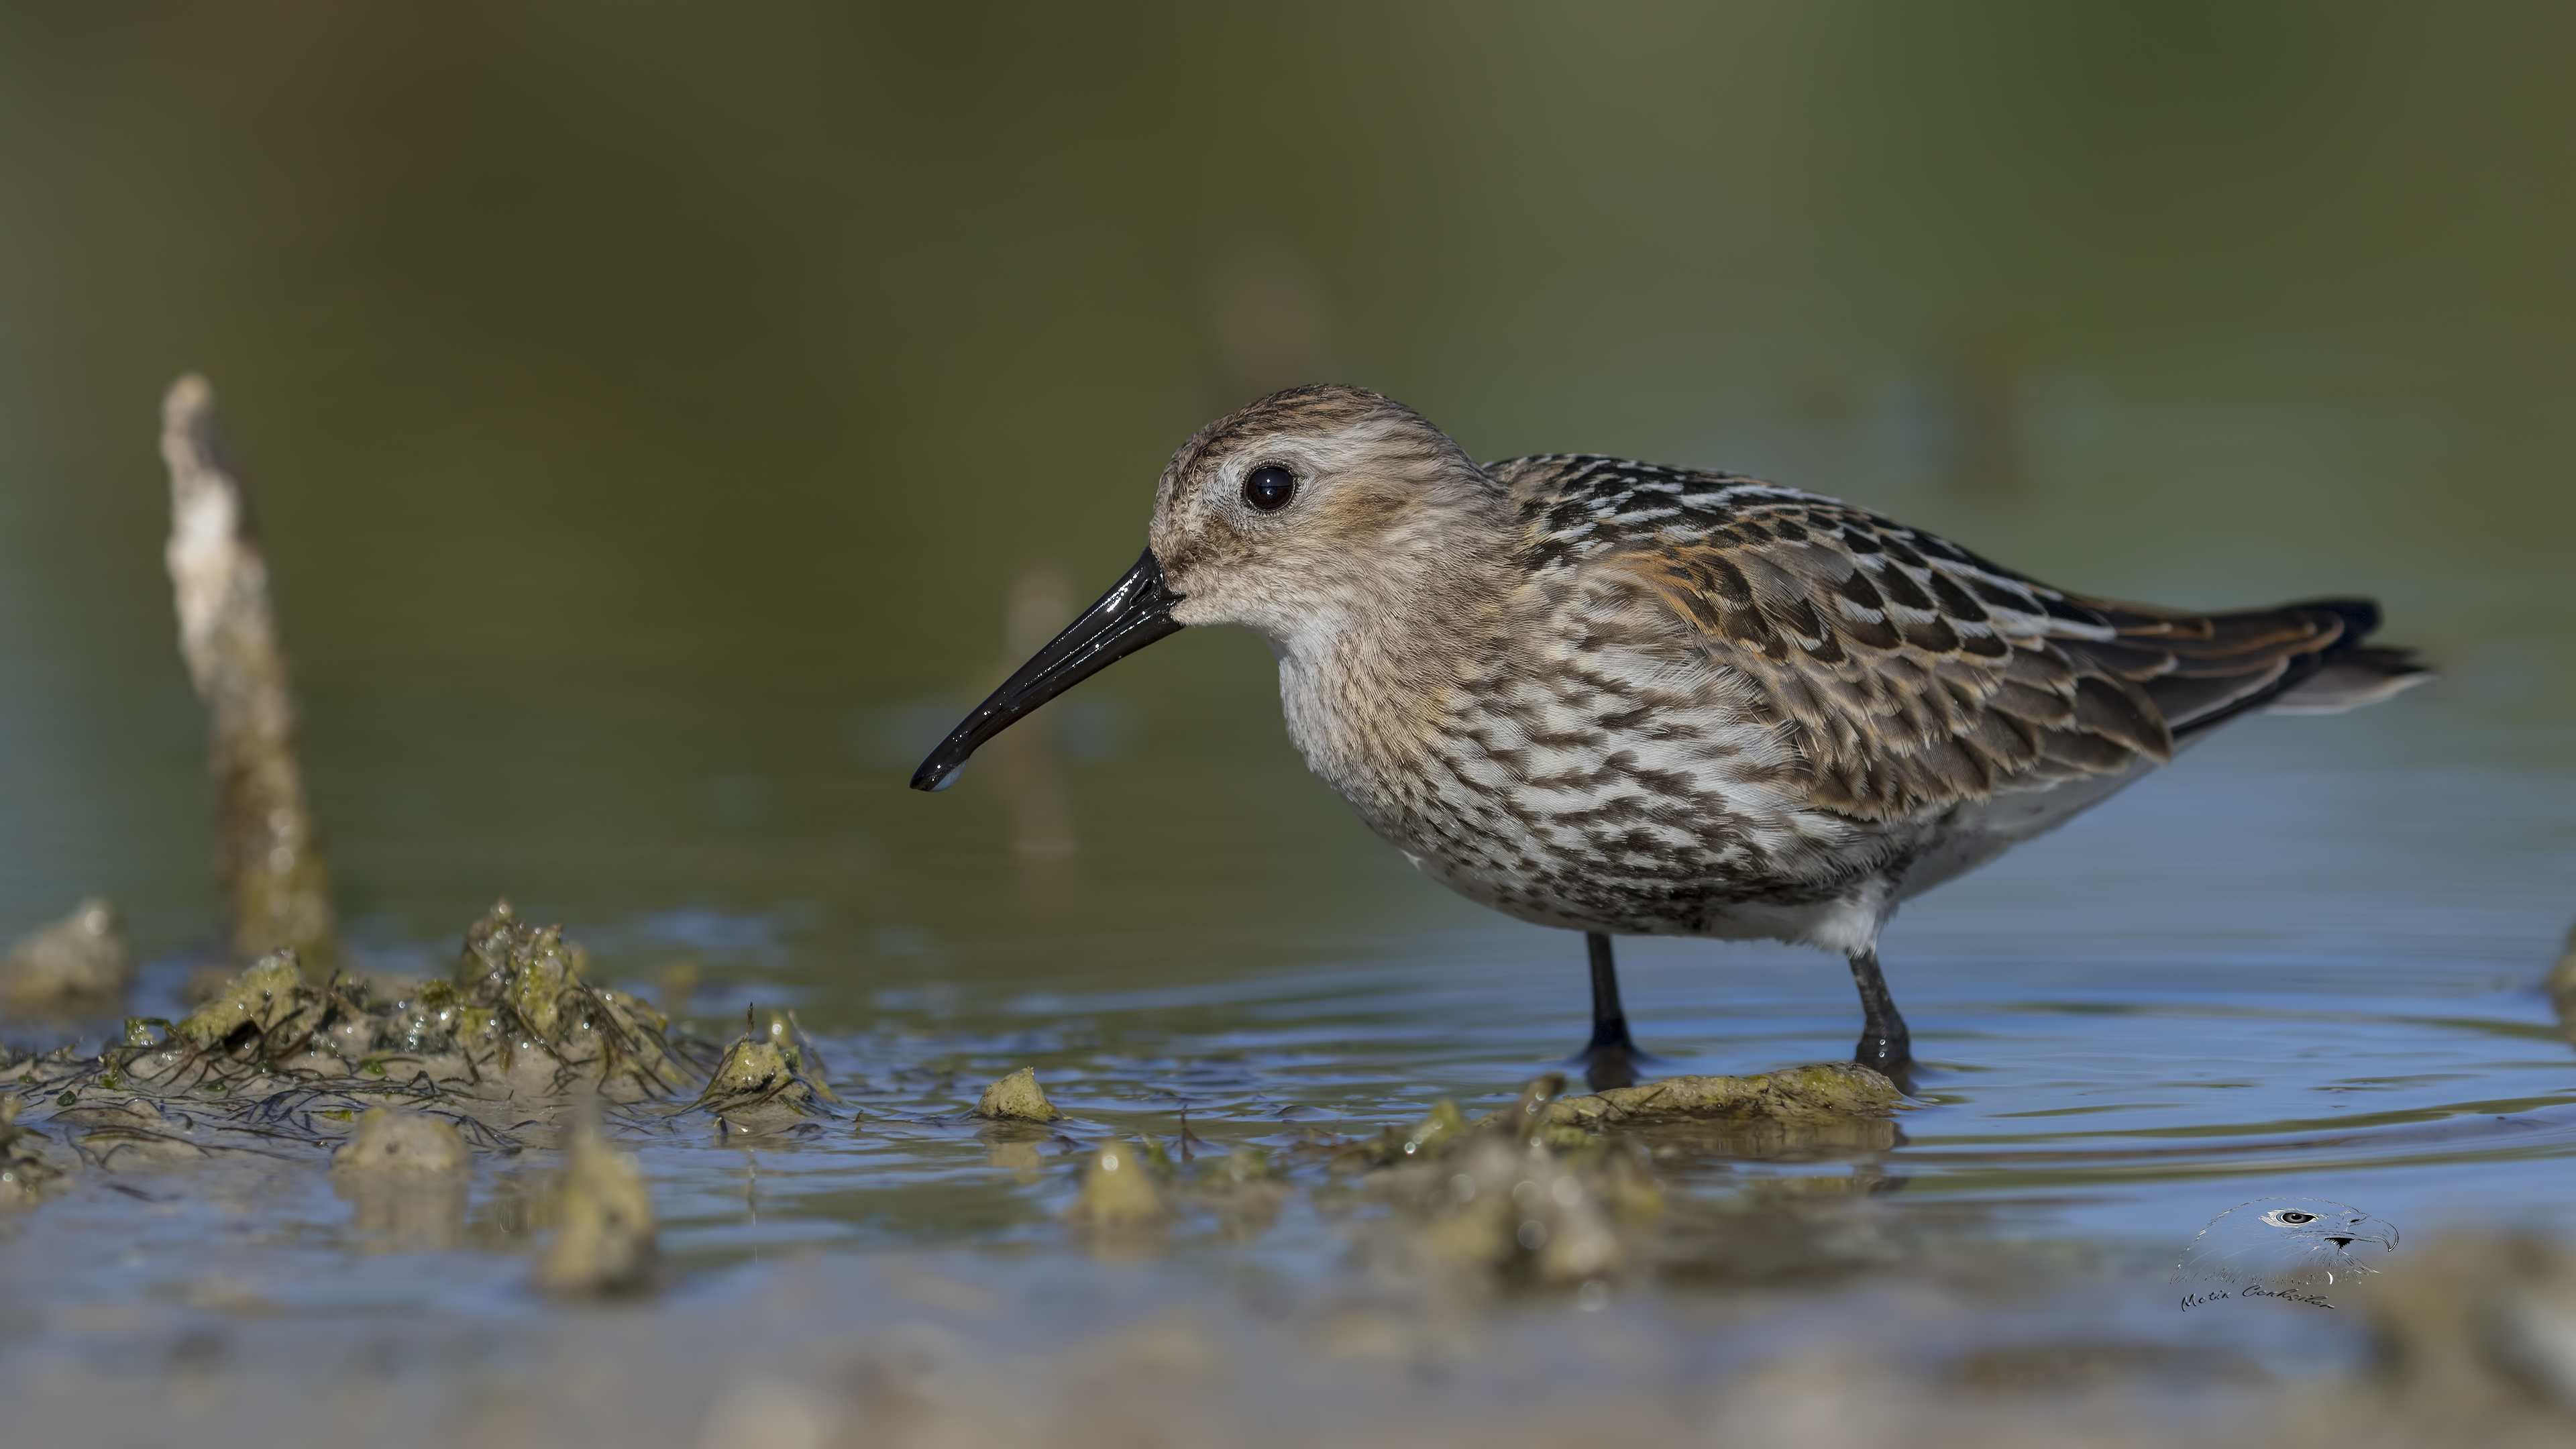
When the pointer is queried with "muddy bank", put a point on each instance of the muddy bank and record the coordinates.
(459, 1195)
(954, 1349)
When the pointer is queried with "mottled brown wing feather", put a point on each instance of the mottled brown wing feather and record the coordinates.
(1909, 674)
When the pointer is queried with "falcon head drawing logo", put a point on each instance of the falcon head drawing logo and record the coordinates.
(2299, 1249)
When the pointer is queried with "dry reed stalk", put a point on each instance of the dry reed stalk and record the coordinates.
(267, 850)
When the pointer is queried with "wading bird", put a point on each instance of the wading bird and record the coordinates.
(1622, 698)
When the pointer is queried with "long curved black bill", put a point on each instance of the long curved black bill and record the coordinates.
(1135, 612)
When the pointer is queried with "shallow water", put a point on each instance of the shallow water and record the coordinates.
(661, 433)
(2122, 1033)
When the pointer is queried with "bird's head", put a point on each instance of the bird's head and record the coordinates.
(1310, 507)
(1303, 517)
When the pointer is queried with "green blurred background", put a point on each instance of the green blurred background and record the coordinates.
(657, 414)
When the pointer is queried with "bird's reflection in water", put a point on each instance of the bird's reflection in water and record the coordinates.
(1028, 765)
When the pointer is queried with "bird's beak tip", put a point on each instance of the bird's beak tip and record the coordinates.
(1135, 612)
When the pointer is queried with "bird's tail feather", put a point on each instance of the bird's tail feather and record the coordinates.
(2365, 675)
(2202, 670)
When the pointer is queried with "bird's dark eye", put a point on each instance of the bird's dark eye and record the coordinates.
(2298, 1217)
(1269, 487)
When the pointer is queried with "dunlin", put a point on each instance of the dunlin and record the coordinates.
(1622, 698)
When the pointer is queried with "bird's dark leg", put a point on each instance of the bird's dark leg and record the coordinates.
(1884, 1044)
(1612, 1058)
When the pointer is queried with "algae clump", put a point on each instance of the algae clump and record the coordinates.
(1820, 1089)
(519, 1007)
(1531, 1120)
(1526, 1193)
(1794, 1112)
(604, 1240)
(404, 1175)
(1425, 1139)
(1242, 1190)
(268, 994)
(1557, 1192)
(1241, 1168)
(519, 987)
(391, 1142)
(763, 1074)
(1118, 1189)
(1017, 1098)
(78, 963)
(750, 1065)
(1526, 1212)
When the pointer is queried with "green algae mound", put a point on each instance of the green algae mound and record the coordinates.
(1017, 1098)
(1817, 1104)
(1426, 1139)
(1557, 1192)
(1807, 1112)
(1119, 1189)
(521, 1001)
(518, 1016)
(770, 1075)
(604, 1243)
(395, 1143)
(399, 1085)
(1819, 1089)
(1528, 1213)
(269, 998)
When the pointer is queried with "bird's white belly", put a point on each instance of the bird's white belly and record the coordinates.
(1843, 924)
(1528, 804)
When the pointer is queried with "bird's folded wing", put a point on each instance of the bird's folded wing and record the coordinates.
(1908, 674)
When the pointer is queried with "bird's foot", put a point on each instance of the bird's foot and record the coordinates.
(1612, 1063)
(1883, 1048)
